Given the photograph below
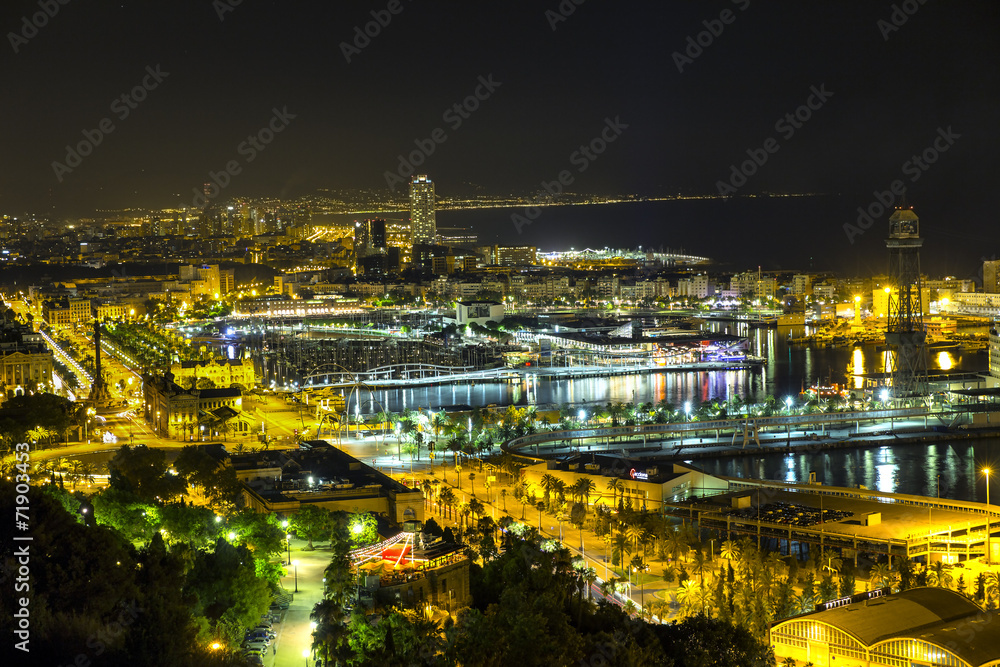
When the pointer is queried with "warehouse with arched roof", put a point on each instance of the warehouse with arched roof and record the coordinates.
(921, 627)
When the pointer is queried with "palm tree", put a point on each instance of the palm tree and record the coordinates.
(880, 575)
(428, 488)
(463, 510)
(589, 576)
(675, 544)
(729, 550)
(583, 488)
(503, 498)
(690, 596)
(560, 491)
(439, 421)
(38, 434)
(615, 485)
(548, 484)
(620, 547)
(526, 499)
(476, 508)
(447, 499)
(472, 480)
(634, 534)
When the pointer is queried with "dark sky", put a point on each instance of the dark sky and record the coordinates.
(557, 87)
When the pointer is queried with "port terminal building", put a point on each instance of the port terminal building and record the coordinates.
(920, 627)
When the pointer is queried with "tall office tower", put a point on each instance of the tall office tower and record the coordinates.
(369, 237)
(904, 335)
(423, 223)
(991, 273)
(371, 252)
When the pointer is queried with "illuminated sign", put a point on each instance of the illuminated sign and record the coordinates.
(635, 474)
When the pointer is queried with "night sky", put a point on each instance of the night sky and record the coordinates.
(887, 93)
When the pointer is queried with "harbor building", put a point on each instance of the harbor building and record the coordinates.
(921, 627)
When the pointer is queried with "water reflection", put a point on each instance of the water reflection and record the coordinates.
(946, 467)
(786, 370)
(945, 361)
(858, 367)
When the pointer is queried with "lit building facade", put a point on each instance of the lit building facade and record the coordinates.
(25, 359)
(991, 276)
(186, 414)
(423, 220)
(223, 372)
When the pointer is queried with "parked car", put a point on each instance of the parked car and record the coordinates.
(267, 632)
(257, 646)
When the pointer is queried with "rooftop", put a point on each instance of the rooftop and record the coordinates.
(935, 615)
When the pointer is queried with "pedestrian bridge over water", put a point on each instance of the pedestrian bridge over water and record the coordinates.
(745, 428)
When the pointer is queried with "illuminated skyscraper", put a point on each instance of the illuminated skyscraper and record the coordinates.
(423, 223)
(991, 276)
(369, 237)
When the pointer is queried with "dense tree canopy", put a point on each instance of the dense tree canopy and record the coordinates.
(97, 599)
(144, 472)
(529, 608)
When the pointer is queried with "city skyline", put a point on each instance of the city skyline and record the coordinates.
(734, 99)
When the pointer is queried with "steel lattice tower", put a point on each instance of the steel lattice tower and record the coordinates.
(905, 336)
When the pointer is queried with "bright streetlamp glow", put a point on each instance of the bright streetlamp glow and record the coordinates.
(232, 536)
(884, 395)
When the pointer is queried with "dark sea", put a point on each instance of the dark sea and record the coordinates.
(776, 233)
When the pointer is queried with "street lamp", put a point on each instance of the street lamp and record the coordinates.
(305, 654)
(295, 565)
(288, 546)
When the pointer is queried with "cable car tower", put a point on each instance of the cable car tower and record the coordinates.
(905, 336)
